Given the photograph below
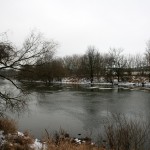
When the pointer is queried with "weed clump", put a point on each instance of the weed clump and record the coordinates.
(8, 125)
(122, 133)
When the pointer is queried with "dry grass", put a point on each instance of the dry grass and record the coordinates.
(13, 140)
(121, 134)
(125, 134)
(69, 145)
(16, 142)
(8, 125)
(62, 141)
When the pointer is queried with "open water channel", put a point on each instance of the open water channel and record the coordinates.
(76, 108)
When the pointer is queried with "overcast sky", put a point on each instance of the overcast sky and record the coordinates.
(76, 24)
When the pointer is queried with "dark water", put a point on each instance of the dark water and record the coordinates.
(77, 109)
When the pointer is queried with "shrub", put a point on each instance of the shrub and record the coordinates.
(122, 133)
(8, 125)
(63, 141)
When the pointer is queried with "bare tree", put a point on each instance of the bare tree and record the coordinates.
(99, 66)
(89, 61)
(140, 68)
(130, 65)
(34, 47)
(72, 65)
(109, 72)
(147, 56)
(119, 62)
(50, 71)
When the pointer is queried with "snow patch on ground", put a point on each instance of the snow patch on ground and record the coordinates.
(2, 138)
(37, 145)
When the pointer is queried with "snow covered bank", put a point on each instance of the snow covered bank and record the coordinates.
(21, 140)
(18, 140)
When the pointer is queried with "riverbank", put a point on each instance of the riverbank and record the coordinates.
(120, 133)
(11, 139)
(96, 85)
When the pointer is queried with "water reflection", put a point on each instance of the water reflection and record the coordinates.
(76, 108)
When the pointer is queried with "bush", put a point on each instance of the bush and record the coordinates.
(122, 133)
(63, 141)
(8, 125)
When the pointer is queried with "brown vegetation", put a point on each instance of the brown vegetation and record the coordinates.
(13, 141)
(120, 134)
(63, 141)
(8, 125)
(123, 133)
(69, 145)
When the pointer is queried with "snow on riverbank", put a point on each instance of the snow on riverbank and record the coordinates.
(101, 82)
(21, 138)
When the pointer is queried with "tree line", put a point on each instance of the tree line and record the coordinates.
(91, 66)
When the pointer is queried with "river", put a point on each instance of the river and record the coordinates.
(76, 108)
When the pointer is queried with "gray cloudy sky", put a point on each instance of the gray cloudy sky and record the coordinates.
(76, 24)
